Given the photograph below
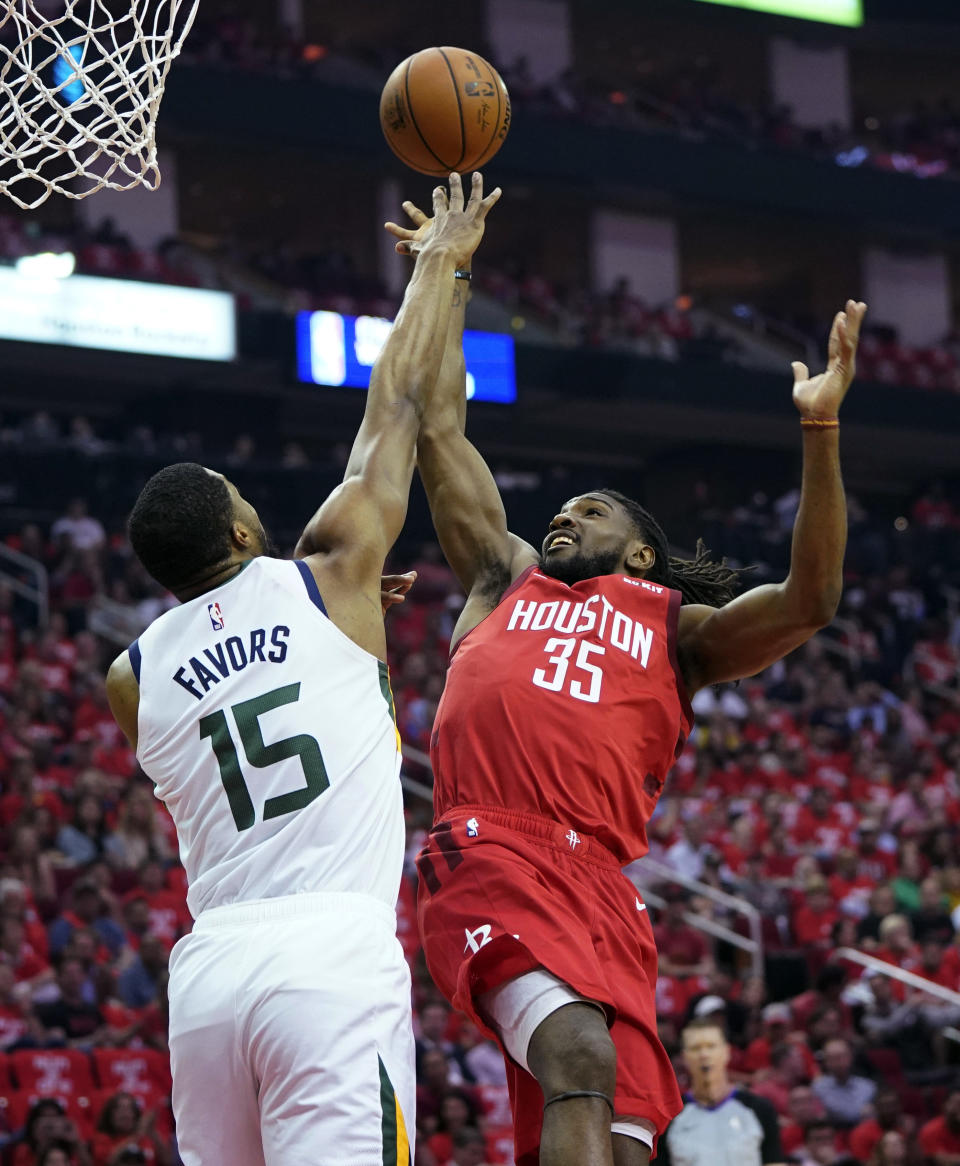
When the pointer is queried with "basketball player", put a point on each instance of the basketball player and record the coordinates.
(566, 704)
(261, 709)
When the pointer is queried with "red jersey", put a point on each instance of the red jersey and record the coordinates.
(566, 702)
(936, 1137)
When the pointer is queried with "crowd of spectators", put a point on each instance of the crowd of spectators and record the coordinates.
(824, 793)
(573, 316)
(675, 92)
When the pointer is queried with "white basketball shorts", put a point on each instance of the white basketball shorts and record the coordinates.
(290, 1035)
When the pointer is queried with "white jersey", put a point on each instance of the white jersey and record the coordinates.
(269, 736)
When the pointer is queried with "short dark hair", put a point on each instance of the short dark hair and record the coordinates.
(701, 1023)
(105, 1124)
(40, 1108)
(180, 524)
(60, 1144)
(699, 580)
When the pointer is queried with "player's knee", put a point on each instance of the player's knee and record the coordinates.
(572, 1049)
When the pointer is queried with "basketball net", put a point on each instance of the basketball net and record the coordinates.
(80, 89)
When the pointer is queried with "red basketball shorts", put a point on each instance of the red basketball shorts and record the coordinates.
(502, 893)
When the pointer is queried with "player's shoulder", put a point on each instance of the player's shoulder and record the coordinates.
(122, 670)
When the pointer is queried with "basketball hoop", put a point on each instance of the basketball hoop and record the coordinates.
(80, 89)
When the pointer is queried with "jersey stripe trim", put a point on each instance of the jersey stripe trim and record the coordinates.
(387, 691)
(673, 618)
(136, 658)
(311, 585)
(396, 1143)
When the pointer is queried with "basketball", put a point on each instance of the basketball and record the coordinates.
(445, 109)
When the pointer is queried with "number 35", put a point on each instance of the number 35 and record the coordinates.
(561, 660)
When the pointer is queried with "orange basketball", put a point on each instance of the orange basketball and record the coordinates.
(445, 109)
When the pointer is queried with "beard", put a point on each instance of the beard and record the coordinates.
(575, 568)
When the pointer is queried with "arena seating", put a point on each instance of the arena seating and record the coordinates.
(825, 792)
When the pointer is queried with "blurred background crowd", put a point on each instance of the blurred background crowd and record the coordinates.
(690, 192)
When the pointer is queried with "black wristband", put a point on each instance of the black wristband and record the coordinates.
(467, 275)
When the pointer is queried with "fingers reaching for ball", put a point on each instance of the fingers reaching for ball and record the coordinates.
(478, 203)
(411, 241)
(457, 228)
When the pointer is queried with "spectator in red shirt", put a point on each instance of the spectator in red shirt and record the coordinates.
(19, 1027)
(123, 1124)
(169, 917)
(820, 1146)
(154, 1023)
(850, 889)
(888, 1116)
(932, 966)
(682, 949)
(21, 793)
(826, 995)
(15, 899)
(940, 1138)
(26, 861)
(777, 1023)
(469, 1149)
(59, 1152)
(820, 825)
(872, 862)
(787, 1069)
(47, 1123)
(804, 1109)
(458, 1111)
(891, 1150)
(813, 922)
(28, 967)
(90, 909)
(896, 941)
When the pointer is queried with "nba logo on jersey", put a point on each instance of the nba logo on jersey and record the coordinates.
(216, 616)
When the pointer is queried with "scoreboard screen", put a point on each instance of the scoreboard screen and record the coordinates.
(848, 12)
(341, 350)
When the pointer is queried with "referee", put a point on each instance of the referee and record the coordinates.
(719, 1125)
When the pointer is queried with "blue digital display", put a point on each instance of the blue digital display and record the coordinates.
(66, 74)
(341, 350)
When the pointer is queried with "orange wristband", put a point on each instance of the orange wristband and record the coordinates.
(819, 423)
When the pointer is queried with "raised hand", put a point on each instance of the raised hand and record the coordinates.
(411, 242)
(819, 397)
(394, 588)
(452, 224)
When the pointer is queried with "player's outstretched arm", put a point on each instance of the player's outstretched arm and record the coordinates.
(465, 502)
(762, 626)
(361, 519)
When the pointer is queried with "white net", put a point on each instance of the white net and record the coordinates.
(80, 89)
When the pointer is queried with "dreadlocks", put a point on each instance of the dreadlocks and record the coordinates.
(699, 580)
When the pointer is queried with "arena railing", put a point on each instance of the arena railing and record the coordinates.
(13, 566)
(911, 979)
(117, 622)
(752, 945)
(662, 873)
